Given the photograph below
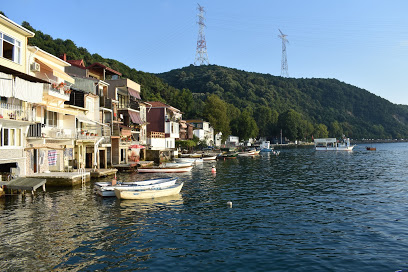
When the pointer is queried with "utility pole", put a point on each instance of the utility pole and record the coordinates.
(201, 51)
(284, 63)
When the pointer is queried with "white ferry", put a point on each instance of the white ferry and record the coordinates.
(333, 144)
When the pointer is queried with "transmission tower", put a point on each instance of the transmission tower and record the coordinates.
(284, 64)
(201, 52)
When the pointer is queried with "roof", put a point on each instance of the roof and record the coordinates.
(17, 27)
(97, 65)
(77, 63)
(158, 104)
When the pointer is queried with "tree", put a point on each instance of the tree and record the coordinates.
(320, 131)
(247, 126)
(290, 123)
(335, 131)
(216, 113)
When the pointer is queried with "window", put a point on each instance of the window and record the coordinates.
(10, 137)
(51, 118)
(10, 48)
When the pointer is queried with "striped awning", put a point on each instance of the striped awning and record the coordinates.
(135, 116)
(134, 93)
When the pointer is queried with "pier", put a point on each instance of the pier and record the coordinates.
(24, 184)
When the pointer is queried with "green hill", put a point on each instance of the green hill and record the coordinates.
(360, 113)
(257, 102)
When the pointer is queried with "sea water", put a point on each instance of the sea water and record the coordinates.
(303, 210)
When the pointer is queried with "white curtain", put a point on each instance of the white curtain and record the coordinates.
(6, 85)
(28, 91)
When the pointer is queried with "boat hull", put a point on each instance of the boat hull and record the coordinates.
(148, 194)
(349, 148)
(106, 189)
(165, 170)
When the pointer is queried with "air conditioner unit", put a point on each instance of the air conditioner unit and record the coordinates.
(35, 67)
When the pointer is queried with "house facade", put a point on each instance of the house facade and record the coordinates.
(162, 126)
(19, 94)
(203, 131)
(51, 139)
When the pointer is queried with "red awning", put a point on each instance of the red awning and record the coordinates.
(134, 93)
(137, 146)
(135, 116)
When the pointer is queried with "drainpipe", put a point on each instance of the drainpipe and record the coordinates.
(96, 149)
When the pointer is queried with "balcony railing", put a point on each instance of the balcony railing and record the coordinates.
(42, 131)
(134, 105)
(58, 90)
(16, 112)
(155, 134)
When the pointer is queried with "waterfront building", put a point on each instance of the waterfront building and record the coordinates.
(51, 139)
(163, 127)
(203, 131)
(19, 94)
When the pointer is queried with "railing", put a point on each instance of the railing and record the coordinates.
(41, 131)
(16, 112)
(134, 105)
(155, 134)
(58, 90)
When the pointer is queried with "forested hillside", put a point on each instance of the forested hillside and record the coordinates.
(341, 107)
(252, 104)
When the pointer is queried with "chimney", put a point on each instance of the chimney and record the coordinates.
(64, 57)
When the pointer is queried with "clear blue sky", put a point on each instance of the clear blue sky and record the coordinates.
(360, 42)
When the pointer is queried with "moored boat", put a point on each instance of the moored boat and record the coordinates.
(209, 158)
(107, 189)
(164, 169)
(371, 148)
(147, 194)
(332, 144)
(192, 160)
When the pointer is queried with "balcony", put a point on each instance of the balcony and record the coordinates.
(134, 105)
(57, 90)
(42, 131)
(16, 112)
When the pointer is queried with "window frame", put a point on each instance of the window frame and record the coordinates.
(17, 47)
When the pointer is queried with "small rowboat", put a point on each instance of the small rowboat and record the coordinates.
(209, 158)
(371, 148)
(165, 169)
(107, 189)
(147, 194)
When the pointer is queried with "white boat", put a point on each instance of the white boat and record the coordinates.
(107, 189)
(209, 158)
(192, 160)
(147, 194)
(333, 145)
(165, 169)
(177, 164)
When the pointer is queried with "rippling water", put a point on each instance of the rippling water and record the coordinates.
(300, 211)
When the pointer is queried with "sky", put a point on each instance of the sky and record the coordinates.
(360, 42)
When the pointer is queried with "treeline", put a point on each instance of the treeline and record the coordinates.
(300, 107)
(251, 104)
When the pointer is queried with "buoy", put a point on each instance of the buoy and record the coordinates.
(213, 169)
(229, 203)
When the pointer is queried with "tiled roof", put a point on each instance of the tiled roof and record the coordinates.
(77, 63)
(99, 65)
(158, 104)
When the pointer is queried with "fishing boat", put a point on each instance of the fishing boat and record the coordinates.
(209, 158)
(371, 148)
(192, 160)
(266, 147)
(333, 145)
(150, 193)
(107, 189)
(165, 169)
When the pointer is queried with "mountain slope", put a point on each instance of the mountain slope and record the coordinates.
(361, 113)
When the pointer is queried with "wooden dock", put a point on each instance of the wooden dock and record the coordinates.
(25, 184)
(63, 179)
(102, 172)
